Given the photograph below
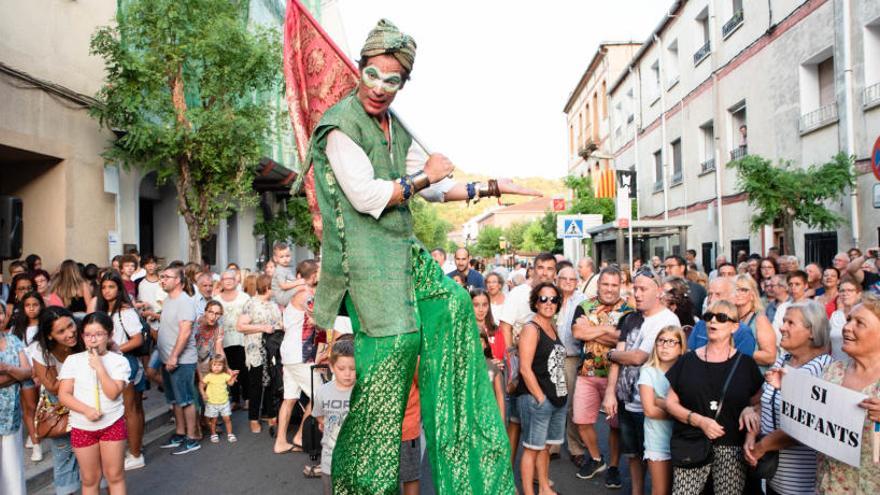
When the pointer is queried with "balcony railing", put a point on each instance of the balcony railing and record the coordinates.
(871, 96)
(672, 82)
(731, 25)
(818, 118)
(738, 152)
(702, 53)
(707, 166)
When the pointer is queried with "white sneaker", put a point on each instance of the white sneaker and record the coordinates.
(29, 444)
(37, 453)
(132, 462)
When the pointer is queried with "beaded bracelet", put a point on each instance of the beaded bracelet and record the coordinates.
(407, 187)
(471, 190)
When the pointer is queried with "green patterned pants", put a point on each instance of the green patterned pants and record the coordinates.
(466, 440)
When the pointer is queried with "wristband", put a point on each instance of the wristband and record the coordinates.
(482, 190)
(471, 190)
(420, 180)
(608, 355)
(689, 418)
(407, 187)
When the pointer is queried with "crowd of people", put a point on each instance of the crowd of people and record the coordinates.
(683, 368)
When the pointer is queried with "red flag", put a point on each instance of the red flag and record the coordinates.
(317, 75)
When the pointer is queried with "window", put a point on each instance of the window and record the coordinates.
(676, 162)
(630, 106)
(707, 147)
(658, 170)
(739, 138)
(672, 64)
(735, 20)
(818, 99)
(654, 88)
(571, 140)
(604, 100)
(871, 95)
(820, 247)
(738, 245)
(594, 123)
(702, 36)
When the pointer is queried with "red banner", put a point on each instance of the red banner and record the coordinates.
(317, 75)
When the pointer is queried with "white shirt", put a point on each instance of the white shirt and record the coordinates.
(291, 344)
(563, 324)
(85, 380)
(590, 286)
(342, 325)
(126, 324)
(517, 312)
(837, 322)
(354, 173)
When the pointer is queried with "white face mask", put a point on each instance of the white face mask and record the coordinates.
(390, 82)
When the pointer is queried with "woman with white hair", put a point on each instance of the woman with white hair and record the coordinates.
(805, 342)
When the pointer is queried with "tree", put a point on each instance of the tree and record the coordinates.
(537, 238)
(428, 227)
(514, 234)
(585, 201)
(293, 223)
(183, 85)
(785, 194)
(488, 242)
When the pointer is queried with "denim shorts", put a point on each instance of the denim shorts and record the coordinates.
(632, 432)
(215, 410)
(542, 424)
(137, 377)
(180, 384)
(510, 403)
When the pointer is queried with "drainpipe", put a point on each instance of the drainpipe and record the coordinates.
(848, 125)
(663, 160)
(717, 130)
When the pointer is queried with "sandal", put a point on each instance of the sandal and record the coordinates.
(215, 438)
(231, 438)
(312, 471)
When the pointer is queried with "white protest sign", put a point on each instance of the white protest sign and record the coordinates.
(823, 416)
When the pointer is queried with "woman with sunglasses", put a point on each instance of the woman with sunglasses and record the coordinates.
(703, 406)
(541, 389)
(751, 314)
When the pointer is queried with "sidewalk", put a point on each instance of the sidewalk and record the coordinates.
(158, 424)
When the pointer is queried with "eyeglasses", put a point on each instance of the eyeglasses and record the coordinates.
(668, 343)
(95, 336)
(549, 299)
(719, 317)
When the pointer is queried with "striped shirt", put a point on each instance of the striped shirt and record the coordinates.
(796, 473)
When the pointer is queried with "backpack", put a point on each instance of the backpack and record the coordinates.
(312, 435)
(147, 341)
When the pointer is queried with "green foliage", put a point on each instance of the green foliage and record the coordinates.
(514, 235)
(488, 242)
(428, 227)
(785, 194)
(182, 83)
(537, 237)
(585, 200)
(292, 224)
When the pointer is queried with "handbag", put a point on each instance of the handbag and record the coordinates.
(692, 448)
(768, 464)
(50, 419)
(312, 435)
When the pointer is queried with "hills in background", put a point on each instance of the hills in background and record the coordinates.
(457, 213)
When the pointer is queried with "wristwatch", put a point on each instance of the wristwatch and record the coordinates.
(608, 356)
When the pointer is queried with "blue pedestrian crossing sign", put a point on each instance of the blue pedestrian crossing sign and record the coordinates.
(573, 229)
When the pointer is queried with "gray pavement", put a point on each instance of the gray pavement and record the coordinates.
(250, 466)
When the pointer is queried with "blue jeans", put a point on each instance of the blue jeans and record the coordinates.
(137, 377)
(542, 424)
(65, 469)
(180, 384)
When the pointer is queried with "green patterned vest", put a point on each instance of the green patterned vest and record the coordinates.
(368, 258)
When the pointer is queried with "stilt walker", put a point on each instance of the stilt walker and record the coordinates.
(402, 306)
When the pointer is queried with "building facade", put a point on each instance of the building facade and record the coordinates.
(74, 204)
(587, 110)
(787, 80)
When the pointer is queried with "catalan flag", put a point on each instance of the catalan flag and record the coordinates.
(606, 186)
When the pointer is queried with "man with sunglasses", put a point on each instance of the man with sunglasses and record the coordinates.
(722, 289)
(638, 330)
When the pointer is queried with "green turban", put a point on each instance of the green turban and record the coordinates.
(385, 38)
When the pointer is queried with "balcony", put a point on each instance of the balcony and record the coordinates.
(818, 118)
(871, 96)
(733, 24)
(739, 152)
(707, 166)
(702, 53)
(672, 82)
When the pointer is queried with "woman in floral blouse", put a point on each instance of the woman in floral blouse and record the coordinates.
(14, 368)
(260, 316)
(861, 372)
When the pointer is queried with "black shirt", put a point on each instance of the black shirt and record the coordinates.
(697, 294)
(548, 365)
(699, 384)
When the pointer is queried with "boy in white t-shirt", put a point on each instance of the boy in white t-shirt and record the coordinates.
(331, 404)
(91, 387)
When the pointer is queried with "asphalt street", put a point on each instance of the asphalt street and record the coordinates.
(250, 466)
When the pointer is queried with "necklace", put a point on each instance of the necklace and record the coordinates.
(713, 404)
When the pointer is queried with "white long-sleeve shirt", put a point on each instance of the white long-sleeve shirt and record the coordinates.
(354, 174)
